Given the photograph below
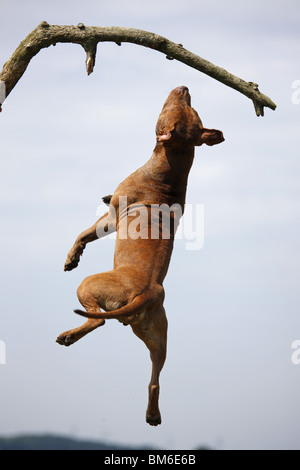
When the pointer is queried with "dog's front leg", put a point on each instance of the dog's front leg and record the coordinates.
(104, 226)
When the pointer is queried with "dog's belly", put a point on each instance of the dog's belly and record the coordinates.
(147, 258)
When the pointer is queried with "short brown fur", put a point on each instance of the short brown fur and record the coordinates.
(133, 291)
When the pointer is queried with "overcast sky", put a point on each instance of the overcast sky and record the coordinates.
(233, 306)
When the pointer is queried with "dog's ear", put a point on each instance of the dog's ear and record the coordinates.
(210, 137)
(166, 135)
(164, 131)
(165, 126)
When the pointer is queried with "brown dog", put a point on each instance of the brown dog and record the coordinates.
(133, 292)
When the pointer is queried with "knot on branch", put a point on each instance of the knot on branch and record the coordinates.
(44, 24)
(258, 106)
(90, 48)
(2, 93)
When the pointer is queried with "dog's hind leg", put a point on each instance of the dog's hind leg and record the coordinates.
(153, 331)
(71, 336)
(94, 292)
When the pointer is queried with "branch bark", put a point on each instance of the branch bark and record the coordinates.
(45, 35)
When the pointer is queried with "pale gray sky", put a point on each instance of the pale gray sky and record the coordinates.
(233, 306)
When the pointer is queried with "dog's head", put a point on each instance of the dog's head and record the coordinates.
(179, 123)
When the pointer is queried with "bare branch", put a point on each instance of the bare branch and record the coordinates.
(45, 35)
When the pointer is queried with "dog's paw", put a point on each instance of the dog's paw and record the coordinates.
(153, 419)
(107, 199)
(73, 257)
(65, 339)
(70, 264)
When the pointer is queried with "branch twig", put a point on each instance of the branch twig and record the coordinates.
(45, 35)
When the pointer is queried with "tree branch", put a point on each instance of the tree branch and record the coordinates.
(45, 35)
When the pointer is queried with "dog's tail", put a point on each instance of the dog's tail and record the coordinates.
(134, 307)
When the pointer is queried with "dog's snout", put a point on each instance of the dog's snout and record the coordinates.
(182, 89)
(182, 93)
